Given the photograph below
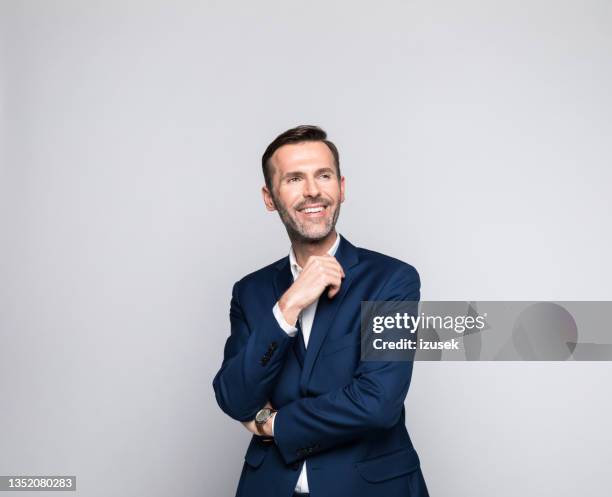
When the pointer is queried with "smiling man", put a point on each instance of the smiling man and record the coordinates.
(324, 423)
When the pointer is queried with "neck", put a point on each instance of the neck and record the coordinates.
(303, 249)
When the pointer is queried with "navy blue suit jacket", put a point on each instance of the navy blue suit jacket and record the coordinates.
(344, 415)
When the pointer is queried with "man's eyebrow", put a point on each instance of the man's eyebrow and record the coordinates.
(293, 173)
(325, 169)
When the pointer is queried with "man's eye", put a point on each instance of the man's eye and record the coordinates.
(293, 180)
(326, 175)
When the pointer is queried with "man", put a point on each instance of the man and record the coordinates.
(324, 423)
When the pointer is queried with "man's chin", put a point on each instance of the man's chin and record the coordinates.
(316, 233)
(314, 237)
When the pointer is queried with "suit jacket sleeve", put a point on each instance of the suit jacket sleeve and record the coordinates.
(374, 398)
(253, 357)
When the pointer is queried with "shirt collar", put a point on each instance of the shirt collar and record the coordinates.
(295, 268)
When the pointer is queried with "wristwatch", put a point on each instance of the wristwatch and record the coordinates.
(261, 417)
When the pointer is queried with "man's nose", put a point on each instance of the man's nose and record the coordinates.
(311, 189)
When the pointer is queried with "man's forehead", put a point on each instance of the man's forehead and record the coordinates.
(302, 155)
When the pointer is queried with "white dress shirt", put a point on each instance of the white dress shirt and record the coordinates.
(306, 319)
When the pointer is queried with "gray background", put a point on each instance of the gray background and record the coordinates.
(475, 139)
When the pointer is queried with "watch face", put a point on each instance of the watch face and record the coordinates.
(262, 415)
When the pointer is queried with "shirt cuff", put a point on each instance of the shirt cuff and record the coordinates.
(273, 419)
(287, 328)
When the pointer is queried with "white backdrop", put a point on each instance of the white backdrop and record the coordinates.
(475, 141)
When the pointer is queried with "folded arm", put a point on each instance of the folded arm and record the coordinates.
(252, 360)
(254, 357)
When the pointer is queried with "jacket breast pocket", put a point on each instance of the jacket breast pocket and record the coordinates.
(389, 466)
(338, 344)
(338, 361)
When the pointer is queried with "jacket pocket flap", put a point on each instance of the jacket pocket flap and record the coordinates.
(389, 466)
(255, 453)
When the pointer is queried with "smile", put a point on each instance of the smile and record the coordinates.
(313, 211)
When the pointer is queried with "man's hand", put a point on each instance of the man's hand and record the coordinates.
(319, 273)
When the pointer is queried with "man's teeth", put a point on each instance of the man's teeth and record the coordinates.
(313, 209)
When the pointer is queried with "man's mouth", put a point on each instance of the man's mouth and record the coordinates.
(313, 211)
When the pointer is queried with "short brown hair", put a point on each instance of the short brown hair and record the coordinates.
(299, 134)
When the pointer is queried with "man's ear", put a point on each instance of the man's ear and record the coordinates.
(267, 198)
(341, 189)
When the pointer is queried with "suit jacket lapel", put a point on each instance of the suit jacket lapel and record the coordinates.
(299, 348)
(327, 309)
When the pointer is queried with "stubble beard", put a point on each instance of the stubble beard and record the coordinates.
(300, 232)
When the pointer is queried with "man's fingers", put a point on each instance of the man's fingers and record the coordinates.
(331, 268)
(333, 291)
(325, 274)
(331, 259)
(331, 277)
(334, 287)
(325, 261)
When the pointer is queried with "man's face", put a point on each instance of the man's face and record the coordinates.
(306, 190)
